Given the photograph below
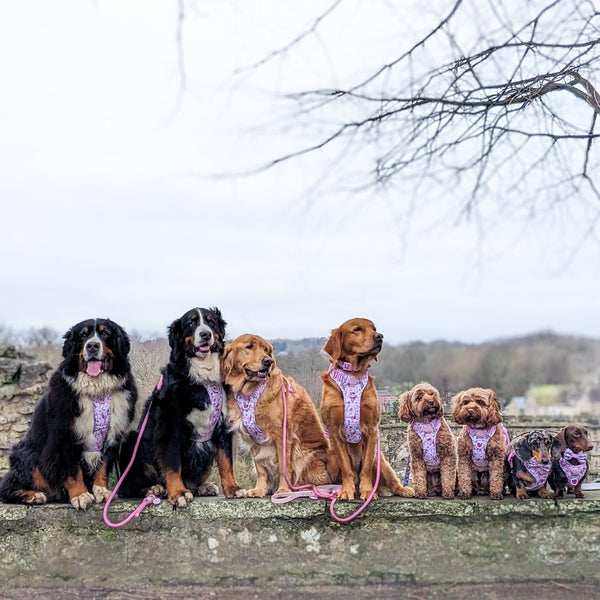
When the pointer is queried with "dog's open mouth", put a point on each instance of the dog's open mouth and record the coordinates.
(431, 410)
(260, 374)
(94, 367)
(372, 353)
(201, 350)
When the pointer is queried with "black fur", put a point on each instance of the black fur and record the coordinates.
(168, 442)
(51, 449)
(576, 438)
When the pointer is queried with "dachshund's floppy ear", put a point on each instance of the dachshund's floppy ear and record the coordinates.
(556, 448)
(333, 346)
(522, 449)
(561, 440)
(404, 409)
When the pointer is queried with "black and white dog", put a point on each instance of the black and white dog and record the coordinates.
(186, 429)
(78, 424)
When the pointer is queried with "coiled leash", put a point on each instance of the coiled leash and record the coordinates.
(150, 498)
(316, 492)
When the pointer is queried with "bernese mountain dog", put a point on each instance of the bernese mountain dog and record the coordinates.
(79, 422)
(186, 429)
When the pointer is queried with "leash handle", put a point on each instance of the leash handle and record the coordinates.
(150, 498)
(327, 492)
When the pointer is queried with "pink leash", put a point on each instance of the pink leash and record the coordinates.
(150, 498)
(309, 490)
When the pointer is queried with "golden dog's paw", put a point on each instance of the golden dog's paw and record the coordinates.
(83, 501)
(208, 489)
(36, 498)
(404, 491)
(346, 494)
(366, 492)
(100, 493)
(181, 499)
(284, 489)
(256, 493)
(240, 493)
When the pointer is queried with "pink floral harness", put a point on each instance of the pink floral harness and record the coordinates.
(574, 466)
(539, 471)
(481, 438)
(247, 406)
(216, 395)
(428, 434)
(102, 408)
(352, 388)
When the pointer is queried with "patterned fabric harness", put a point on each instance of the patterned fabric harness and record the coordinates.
(216, 395)
(574, 466)
(102, 408)
(247, 406)
(428, 434)
(480, 439)
(352, 388)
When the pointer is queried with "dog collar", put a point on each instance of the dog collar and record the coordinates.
(345, 366)
(216, 395)
(574, 466)
(102, 408)
(247, 406)
(428, 434)
(352, 388)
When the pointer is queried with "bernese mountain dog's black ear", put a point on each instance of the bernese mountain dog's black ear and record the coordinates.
(121, 340)
(70, 344)
(175, 333)
(221, 323)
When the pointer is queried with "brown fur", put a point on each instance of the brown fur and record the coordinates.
(356, 341)
(424, 404)
(575, 437)
(478, 408)
(241, 366)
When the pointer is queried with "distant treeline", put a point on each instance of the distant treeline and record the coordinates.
(510, 366)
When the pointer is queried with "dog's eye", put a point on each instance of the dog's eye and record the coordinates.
(576, 433)
(250, 346)
(105, 333)
(419, 397)
(357, 329)
(481, 402)
(83, 333)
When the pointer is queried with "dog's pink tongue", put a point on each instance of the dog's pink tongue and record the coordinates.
(204, 348)
(93, 368)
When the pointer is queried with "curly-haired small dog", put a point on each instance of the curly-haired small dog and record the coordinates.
(432, 447)
(351, 412)
(482, 443)
(570, 467)
(530, 462)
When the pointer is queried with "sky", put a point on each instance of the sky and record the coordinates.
(132, 188)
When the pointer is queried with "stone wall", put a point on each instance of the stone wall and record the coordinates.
(22, 381)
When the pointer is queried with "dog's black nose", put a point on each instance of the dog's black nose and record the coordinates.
(92, 347)
(545, 461)
(378, 337)
(267, 362)
(431, 402)
(205, 335)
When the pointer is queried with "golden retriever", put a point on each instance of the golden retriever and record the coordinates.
(255, 388)
(352, 416)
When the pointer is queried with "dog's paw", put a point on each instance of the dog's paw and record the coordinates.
(35, 498)
(404, 491)
(496, 496)
(366, 492)
(256, 493)
(181, 499)
(158, 490)
(448, 496)
(100, 493)
(240, 493)
(346, 494)
(83, 501)
(464, 495)
(208, 489)
(231, 491)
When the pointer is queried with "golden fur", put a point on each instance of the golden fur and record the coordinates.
(478, 408)
(423, 404)
(356, 341)
(246, 362)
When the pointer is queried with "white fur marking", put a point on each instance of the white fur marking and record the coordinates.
(206, 368)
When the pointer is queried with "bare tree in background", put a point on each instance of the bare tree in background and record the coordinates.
(496, 106)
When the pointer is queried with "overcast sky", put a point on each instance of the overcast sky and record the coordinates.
(109, 208)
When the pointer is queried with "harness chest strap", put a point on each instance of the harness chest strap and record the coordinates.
(247, 405)
(428, 434)
(480, 439)
(102, 408)
(216, 395)
(352, 388)
(574, 466)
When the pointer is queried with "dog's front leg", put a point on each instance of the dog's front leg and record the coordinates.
(345, 465)
(496, 470)
(448, 475)
(366, 472)
(262, 480)
(419, 476)
(281, 457)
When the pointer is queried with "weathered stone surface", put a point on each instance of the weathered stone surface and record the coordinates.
(32, 373)
(221, 543)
